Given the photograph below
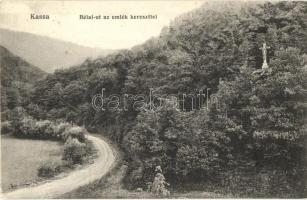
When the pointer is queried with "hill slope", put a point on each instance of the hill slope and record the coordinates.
(17, 77)
(47, 53)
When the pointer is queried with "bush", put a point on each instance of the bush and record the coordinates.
(74, 151)
(50, 169)
(6, 127)
(26, 126)
(75, 132)
(42, 127)
(60, 128)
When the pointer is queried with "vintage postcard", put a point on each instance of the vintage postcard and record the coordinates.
(153, 99)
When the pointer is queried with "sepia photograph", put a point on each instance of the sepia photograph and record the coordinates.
(141, 99)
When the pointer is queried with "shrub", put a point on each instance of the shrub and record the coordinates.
(75, 132)
(28, 127)
(42, 127)
(6, 127)
(74, 151)
(60, 128)
(50, 131)
(49, 169)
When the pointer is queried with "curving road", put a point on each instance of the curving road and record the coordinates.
(75, 179)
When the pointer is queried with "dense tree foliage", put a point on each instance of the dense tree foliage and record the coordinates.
(17, 79)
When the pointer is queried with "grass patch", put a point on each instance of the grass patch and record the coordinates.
(27, 162)
(21, 158)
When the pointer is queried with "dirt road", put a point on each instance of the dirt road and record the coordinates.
(74, 180)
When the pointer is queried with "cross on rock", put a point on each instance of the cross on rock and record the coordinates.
(264, 54)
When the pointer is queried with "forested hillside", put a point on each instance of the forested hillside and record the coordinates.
(17, 79)
(252, 144)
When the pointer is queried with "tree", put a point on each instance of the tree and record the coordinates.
(13, 98)
(158, 187)
(267, 116)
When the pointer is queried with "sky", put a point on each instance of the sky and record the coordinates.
(64, 22)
